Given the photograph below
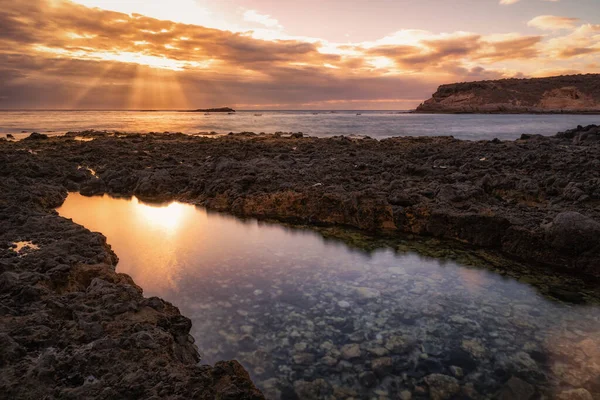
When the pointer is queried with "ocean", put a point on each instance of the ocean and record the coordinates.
(376, 124)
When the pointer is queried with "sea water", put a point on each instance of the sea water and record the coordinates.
(377, 124)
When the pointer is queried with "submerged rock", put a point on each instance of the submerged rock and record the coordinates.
(517, 389)
(575, 394)
(365, 293)
(382, 366)
(442, 387)
(350, 351)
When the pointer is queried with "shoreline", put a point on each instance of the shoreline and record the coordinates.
(64, 303)
(443, 193)
(426, 181)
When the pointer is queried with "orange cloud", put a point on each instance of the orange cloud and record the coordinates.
(582, 41)
(552, 22)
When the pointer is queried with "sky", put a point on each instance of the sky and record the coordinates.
(267, 54)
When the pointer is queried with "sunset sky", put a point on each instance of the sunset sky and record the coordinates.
(266, 54)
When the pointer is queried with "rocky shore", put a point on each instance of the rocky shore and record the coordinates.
(536, 199)
(71, 327)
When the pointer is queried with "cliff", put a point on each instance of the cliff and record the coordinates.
(560, 94)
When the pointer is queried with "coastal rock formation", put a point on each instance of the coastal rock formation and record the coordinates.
(561, 94)
(71, 327)
(533, 198)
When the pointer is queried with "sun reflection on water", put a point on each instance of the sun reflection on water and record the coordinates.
(166, 218)
(158, 243)
(150, 239)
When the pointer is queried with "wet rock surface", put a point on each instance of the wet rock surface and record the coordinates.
(519, 197)
(73, 328)
(76, 328)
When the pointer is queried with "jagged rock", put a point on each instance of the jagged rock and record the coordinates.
(571, 231)
(36, 136)
(548, 214)
(481, 203)
(154, 184)
(93, 187)
(458, 192)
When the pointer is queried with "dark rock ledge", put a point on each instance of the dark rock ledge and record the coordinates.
(73, 328)
(70, 327)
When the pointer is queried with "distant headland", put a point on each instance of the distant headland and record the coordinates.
(569, 94)
(215, 110)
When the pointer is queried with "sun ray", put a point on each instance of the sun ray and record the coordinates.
(157, 89)
(80, 97)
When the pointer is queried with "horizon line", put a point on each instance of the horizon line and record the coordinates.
(188, 110)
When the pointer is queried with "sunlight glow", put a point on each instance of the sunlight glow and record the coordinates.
(381, 62)
(128, 57)
(184, 11)
(167, 218)
(73, 35)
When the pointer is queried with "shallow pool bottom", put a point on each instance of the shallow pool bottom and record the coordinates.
(313, 318)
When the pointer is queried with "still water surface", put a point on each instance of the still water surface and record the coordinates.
(313, 318)
(377, 124)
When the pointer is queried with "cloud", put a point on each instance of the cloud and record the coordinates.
(58, 54)
(552, 22)
(510, 47)
(183, 11)
(509, 2)
(266, 20)
(441, 49)
(584, 40)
